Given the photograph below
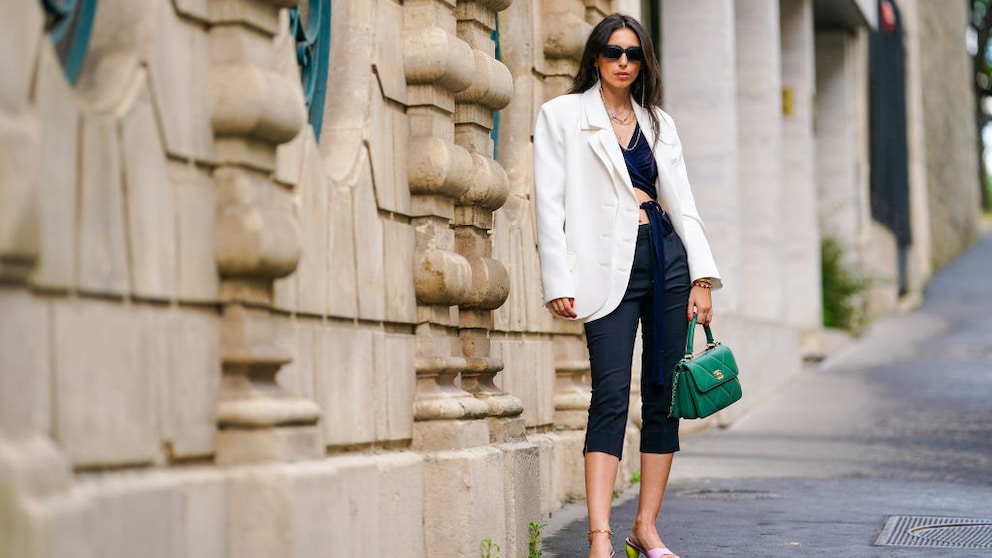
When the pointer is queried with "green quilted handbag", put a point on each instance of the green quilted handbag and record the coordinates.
(706, 383)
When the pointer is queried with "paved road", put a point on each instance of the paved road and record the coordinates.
(898, 423)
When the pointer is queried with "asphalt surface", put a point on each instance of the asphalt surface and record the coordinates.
(895, 423)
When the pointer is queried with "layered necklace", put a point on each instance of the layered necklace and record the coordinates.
(615, 120)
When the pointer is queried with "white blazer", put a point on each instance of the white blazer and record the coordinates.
(587, 212)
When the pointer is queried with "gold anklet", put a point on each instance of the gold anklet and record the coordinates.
(594, 531)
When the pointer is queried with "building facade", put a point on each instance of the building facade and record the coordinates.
(268, 275)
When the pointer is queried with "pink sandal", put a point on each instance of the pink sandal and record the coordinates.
(633, 551)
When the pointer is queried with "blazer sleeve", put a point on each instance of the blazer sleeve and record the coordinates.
(701, 262)
(549, 186)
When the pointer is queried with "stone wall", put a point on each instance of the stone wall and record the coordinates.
(222, 336)
(951, 149)
(226, 333)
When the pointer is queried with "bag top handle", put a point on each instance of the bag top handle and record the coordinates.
(710, 343)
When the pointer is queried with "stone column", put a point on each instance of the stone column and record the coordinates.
(841, 141)
(803, 306)
(564, 30)
(759, 110)
(700, 77)
(255, 108)
(455, 185)
(438, 64)
(490, 90)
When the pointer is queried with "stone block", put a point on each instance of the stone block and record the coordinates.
(205, 514)
(443, 435)
(136, 514)
(319, 508)
(368, 246)
(401, 484)
(19, 177)
(547, 475)
(303, 337)
(398, 250)
(356, 521)
(395, 379)
(464, 501)
(388, 154)
(350, 66)
(312, 215)
(150, 200)
(528, 373)
(103, 394)
(190, 382)
(263, 16)
(568, 467)
(21, 32)
(196, 214)
(346, 389)
(522, 481)
(238, 446)
(122, 38)
(59, 119)
(178, 70)
(101, 239)
(259, 513)
(342, 300)
(25, 374)
(55, 525)
(388, 61)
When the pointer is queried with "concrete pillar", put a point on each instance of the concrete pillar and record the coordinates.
(801, 244)
(842, 141)
(759, 112)
(700, 78)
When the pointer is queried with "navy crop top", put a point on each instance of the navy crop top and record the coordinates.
(641, 165)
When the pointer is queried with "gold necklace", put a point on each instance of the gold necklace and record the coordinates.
(622, 121)
(620, 141)
(615, 116)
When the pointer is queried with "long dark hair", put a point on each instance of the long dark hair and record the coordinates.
(647, 86)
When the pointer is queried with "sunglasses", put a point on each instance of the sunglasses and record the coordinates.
(613, 52)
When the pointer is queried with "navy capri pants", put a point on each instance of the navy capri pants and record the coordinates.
(610, 340)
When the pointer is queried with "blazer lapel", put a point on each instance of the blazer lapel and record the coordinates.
(667, 193)
(602, 140)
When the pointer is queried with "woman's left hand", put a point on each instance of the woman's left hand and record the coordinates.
(701, 304)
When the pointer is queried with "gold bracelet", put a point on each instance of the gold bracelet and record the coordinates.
(702, 283)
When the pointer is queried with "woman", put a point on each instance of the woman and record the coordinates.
(621, 242)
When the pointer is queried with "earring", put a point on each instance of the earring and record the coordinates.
(642, 92)
(598, 77)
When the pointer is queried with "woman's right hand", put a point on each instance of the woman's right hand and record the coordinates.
(563, 307)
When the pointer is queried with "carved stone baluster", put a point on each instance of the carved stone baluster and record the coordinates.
(490, 90)
(437, 64)
(255, 109)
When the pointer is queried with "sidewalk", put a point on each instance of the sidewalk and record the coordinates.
(899, 423)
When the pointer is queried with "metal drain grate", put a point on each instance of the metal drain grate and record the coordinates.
(927, 531)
